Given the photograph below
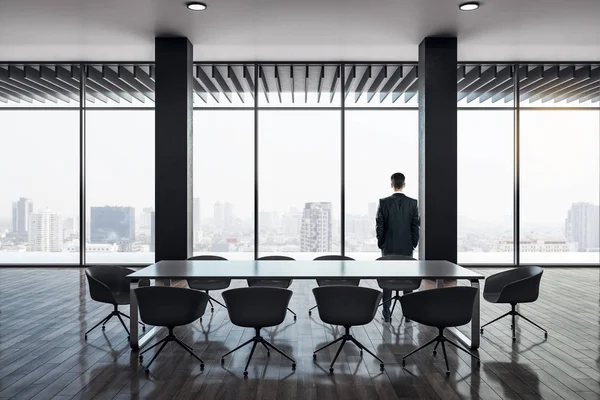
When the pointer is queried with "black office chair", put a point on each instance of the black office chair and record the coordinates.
(276, 283)
(109, 284)
(208, 284)
(515, 286)
(332, 282)
(347, 306)
(257, 307)
(442, 308)
(405, 285)
(170, 307)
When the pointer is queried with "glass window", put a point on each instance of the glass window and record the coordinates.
(120, 186)
(560, 186)
(485, 186)
(223, 211)
(299, 183)
(39, 200)
(378, 144)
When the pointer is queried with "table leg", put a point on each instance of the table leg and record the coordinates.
(135, 341)
(439, 283)
(474, 341)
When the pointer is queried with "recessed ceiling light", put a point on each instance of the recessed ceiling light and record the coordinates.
(469, 6)
(195, 6)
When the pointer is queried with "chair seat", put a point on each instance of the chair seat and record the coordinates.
(492, 297)
(338, 282)
(276, 283)
(209, 284)
(399, 284)
(122, 298)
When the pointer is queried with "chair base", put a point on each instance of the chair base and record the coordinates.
(210, 300)
(169, 338)
(514, 313)
(347, 337)
(255, 341)
(396, 299)
(437, 340)
(115, 313)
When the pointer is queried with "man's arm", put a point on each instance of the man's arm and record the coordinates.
(415, 226)
(380, 226)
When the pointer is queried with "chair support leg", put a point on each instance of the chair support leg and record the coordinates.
(281, 352)
(499, 318)
(189, 350)
(337, 354)
(532, 323)
(446, 359)
(127, 316)
(237, 348)
(292, 313)
(329, 344)
(123, 323)
(357, 343)
(156, 355)
(153, 346)
(249, 358)
(217, 301)
(394, 306)
(420, 348)
(463, 349)
(98, 324)
(266, 348)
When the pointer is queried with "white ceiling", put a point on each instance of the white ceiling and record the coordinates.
(236, 30)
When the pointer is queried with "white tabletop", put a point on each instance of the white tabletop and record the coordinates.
(182, 269)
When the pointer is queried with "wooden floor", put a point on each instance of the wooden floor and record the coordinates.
(43, 354)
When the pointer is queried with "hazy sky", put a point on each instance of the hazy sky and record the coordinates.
(299, 160)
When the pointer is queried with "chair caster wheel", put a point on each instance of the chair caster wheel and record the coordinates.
(478, 363)
(331, 371)
(447, 373)
(481, 331)
(514, 339)
(511, 326)
(222, 361)
(245, 374)
(293, 366)
(141, 359)
(85, 337)
(268, 354)
(147, 371)
(309, 313)
(434, 353)
(143, 328)
(103, 328)
(361, 353)
(403, 363)
(128, 338)
(202, 367)
(212, 310)
(294, 317)
(314, 357)
(546, 335)
(381, 367)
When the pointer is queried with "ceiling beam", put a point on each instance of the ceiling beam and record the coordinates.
(585, 96)
(225, 89)
(470, 77)
(349, 80)
(577, 90)
(9, 93)
(199, 90)
(51, 76)
(33, 79)
(16, 88)
(97, 77)
(505, 88)
(411, 91)
(389, 85)
(320, 85)
(460, 73)
(361, 84)
(278, 83)
(306, 79)
(261, 75)
(407, 82)
(333, 89)
(548, 76)
(249, 80)
(564, 75)
(583, 77)
(376, 83)
(501, 77)
(113, 77)
(293, 83)
(487, 76)
(128, 77)
(205, 80)
(236, 82)
(144, 78)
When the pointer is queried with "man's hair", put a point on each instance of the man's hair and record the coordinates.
(398, 180)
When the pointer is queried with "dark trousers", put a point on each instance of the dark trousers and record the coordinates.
(387, 294)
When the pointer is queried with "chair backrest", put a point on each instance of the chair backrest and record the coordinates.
(207, 257)
(170, 306)
(257, 307)
(517, 285)
(334, 257)
(104, 280)
(442, 308)
(347, 305)
(276, 258)
(396, 257)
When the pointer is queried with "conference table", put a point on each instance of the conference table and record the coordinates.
(168, 270)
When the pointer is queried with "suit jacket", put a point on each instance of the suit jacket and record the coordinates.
(397, 224)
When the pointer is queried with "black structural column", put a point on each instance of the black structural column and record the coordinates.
(173, 152)
(437, 148)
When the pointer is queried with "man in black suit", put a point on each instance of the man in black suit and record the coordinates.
(397, 227)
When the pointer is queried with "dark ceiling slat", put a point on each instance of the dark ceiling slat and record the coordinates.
(470, 77)
(278, 83)
(89, 84)
(63, 75)
(585, 96)
(199, 90)
(11, 95)
(361, 84)
(97, 77)
(225, 89)
(408, 81)
(263, 79)
(336, 76)
(19, 93)
(320, 85)
(376, 83)
(293, 84)
(127, 77)
(565, 75)
(51, 77)
(144, 78)
(15, 85)
(349, 80)
(411, 91)
(113, 77)
(580, 86)
(3, 99)
(505, 87)
(236, 83)
(501, 78)
(487, 76)
(548, 76)
(579, 75)
(306, 80)
(529, 77)
(249, 80)
(205, 80)
(460, 74)
(391, 82)
(580, 91)
(33, 79)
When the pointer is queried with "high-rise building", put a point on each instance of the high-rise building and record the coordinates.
(223, 215)
(145, 220)
(582, 226)
(316, 229)
(196, 215)
(112, 224)
(152, 232)
(21, 212)
(372, 210)
(45, 233)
